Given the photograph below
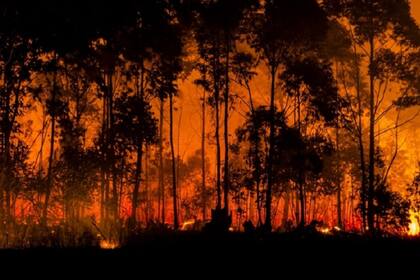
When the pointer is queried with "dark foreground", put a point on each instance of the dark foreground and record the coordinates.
(194, 254)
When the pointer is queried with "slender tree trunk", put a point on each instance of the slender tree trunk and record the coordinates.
(203, 159)
(301, 177)
(371, 221)
(218, 160)
(363, 191)
(121, 187)
(161, 177)
(339, 214)
(297, 216)
(268, 225)
(338, 160)
(226, 132)
(147, 184)
(51, 156)
(359, 125)
(259, 210)
(103, 147)
(178, 166)
(302, 203)
(174, 187)
(338, 179)
(139, 161)
(137, 181)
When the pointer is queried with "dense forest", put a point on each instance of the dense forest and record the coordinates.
(299, 110)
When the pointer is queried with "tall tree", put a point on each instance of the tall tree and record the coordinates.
(375, 24)
(284, 27)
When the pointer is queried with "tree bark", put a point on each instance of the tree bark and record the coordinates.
(161, 175)
(226, 132)
(203, 159)
(51, 156)
(137, 182)
(174, 186)
(218, 160)
(371, 221)
(267, 224)
(338, 179)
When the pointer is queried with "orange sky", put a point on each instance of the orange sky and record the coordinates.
(416, 9)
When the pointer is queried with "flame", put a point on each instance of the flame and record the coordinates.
(187, 224)
(325, 230)
(108, 244)
(414, 227)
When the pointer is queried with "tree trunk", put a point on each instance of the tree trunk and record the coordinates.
(338, 179)
(268, 225)
(147, 184)
(161, 177)
(226, 132)
(137, 181)
(203, 159)
(259, 210)
(363, 190)
(103, 155)
(339, 214)
(301, 175)
(110, 141)
(218, 161)
(338, 160)
(371, 222)
(51, 156)
(297, 208)
(174, 187)
(302, 203)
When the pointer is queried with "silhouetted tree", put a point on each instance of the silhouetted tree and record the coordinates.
(284, 27)
(373, 23)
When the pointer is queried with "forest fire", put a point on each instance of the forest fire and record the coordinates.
(235, 116)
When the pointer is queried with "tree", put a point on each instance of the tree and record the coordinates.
(16, 56)
(77, 165)
(168, 69)
(283, 28)
(136, 125)
(413, 191)
(374, 24)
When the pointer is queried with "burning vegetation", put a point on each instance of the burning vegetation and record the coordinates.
(206, 115)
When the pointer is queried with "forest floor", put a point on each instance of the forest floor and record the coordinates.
(185, 253)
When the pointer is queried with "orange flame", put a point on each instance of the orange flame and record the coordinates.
(414, 227)
(108, 244)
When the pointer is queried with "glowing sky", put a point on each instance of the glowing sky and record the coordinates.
(415, 4)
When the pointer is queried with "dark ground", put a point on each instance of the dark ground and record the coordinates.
(200, 256)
